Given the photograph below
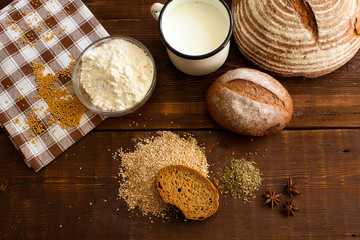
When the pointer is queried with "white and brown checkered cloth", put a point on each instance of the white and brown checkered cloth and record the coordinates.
(21, 43)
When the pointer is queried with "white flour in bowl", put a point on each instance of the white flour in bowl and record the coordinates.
(116, 75)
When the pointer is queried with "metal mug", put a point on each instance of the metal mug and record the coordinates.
(204, 63)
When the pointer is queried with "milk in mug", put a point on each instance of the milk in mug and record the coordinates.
(195, 28)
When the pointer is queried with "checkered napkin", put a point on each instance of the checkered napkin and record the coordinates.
(67, 28)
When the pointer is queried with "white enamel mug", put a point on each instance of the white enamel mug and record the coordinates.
(207, 56)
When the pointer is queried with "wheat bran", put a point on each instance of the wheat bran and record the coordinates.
(35, 24)
(65, 107)
(139, 169)
(34, 123)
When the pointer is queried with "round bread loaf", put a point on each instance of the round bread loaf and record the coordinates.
(249, 102)
(289, 38)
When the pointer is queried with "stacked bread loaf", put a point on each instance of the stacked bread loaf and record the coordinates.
(307, 38)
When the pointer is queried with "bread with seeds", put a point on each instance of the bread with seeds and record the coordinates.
(189, 190)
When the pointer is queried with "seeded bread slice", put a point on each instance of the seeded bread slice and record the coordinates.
(189, 190)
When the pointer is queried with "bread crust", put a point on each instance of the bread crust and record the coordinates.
(199, 177)
(249, 102)
(292, 38)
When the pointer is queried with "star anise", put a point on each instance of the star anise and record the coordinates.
(289, 208)
(271, 198)
(3, 187)
(290, 188)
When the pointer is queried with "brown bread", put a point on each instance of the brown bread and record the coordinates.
(297, 37)
(190, 191)
(249, 102)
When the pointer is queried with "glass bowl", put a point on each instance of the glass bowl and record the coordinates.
(83, 95)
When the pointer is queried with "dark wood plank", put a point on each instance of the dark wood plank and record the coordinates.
(77, 194)
(330, 101)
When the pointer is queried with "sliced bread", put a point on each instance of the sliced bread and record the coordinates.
(189, 190)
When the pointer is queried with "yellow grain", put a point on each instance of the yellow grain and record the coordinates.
(65, 107)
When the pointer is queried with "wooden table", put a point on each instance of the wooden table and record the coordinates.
(76, 195)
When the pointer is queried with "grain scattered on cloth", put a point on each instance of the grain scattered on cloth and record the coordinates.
(49, 31)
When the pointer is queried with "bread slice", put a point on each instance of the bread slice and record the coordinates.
(189, 190)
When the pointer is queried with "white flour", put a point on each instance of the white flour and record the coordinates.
(116, 75)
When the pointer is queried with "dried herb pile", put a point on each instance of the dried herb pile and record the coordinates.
(241, 178)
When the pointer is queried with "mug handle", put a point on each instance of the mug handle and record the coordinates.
(156, 9)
